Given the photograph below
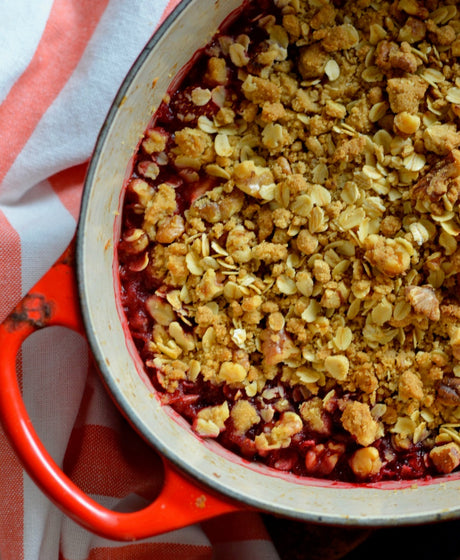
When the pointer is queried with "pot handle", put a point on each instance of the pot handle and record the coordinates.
(54, 301)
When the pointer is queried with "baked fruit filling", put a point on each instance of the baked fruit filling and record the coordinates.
(289, 256)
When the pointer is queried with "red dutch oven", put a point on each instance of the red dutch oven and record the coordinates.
(81, 292)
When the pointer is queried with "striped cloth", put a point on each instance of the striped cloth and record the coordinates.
(61, 65)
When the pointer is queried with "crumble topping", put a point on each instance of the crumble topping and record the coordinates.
(301, 260)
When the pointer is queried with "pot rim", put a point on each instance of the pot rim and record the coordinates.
(174, 456)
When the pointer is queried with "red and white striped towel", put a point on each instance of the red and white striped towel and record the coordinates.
(61, 66)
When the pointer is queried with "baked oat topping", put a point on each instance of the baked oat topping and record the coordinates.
(289, 252)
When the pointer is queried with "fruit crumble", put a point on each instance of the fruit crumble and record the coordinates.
(289, 255)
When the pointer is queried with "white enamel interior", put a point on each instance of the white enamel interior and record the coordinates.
(190, 27)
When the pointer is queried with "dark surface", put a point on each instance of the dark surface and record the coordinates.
(439, 541)
(300, 541)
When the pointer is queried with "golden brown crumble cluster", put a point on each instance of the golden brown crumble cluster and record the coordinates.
(322, 248)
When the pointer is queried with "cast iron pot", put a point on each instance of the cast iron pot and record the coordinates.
(201, 479)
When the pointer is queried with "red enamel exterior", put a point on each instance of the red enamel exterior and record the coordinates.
(54, 301)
